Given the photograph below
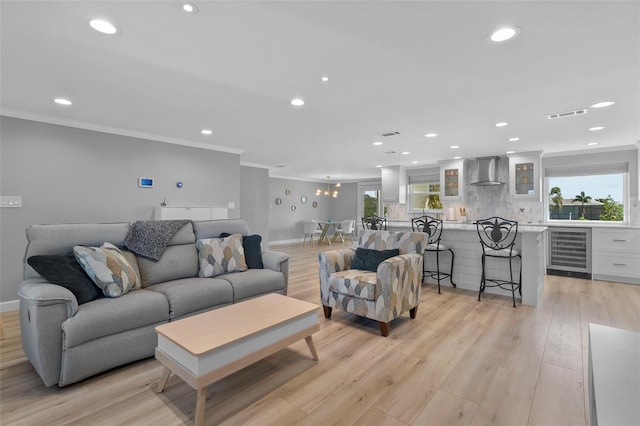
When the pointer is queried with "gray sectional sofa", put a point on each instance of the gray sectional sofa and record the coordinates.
(67, 342)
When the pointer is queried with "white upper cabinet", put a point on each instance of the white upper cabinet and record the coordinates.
(394, 184)
(451, 180)
(524, 175)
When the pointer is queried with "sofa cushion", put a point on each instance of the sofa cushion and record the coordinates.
(221, 255)
(179, 259)
(252, 250)
(106, 316)
(254, 282)
(354, 283)
(368, 259)
(189, 295)
(65, 271)
(108, 268)
(214, 228)
(177, 262)
(60, 239)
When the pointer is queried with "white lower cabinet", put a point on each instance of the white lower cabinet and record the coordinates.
(616, 255)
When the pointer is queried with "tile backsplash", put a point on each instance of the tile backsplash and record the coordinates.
(482, 201)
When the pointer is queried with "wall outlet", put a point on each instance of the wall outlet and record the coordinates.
(11, 201)
(231, 205)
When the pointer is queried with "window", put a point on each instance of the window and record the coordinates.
(595, 192)
(425, 195)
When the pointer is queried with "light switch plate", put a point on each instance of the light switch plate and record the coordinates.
(10, 201)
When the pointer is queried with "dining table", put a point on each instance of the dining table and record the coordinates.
(325, 226)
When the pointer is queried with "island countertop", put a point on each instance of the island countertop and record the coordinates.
(529, 227)
(462, 238)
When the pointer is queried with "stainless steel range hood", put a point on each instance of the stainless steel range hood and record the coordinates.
(487, 172)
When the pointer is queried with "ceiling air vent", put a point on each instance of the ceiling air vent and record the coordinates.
(566, 114)
(386, 135)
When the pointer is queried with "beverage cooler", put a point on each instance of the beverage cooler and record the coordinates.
(569, 252)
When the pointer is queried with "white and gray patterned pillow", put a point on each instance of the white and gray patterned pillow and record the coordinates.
(107, 268)
(221, 255)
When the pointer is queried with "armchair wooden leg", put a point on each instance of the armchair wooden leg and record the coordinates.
(413, 312)
(327, 311)
(384, 328)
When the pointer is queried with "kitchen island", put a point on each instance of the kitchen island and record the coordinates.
(463, 239)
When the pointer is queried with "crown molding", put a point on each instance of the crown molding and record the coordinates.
(114, 130)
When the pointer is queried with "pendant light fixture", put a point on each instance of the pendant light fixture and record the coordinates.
(330, 191)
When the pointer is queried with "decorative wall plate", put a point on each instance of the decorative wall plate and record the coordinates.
(315, 204)
(278, 201)
(303, 199)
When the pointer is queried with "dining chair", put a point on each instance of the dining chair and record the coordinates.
(498, 240)
(345, 230)
(310, 229)
(433, 228)
(375, 223)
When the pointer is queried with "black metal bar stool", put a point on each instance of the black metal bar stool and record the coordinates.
(498, 239)
(433, 228)
(378, 223)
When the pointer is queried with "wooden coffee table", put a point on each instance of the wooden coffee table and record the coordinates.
(207, 347)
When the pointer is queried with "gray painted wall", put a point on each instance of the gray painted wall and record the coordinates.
(69, 175)
(286, 225)
(254, 199)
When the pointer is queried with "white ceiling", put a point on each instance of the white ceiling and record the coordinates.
(413, 67)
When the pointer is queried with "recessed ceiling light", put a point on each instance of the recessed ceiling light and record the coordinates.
(502, 124)
(430, 135)
(62, 101)
(505, 33)
(454, 146)
(405, 153)
(325, 79)
(457, 158)
(105, 27)
(593, 129)
(592, 143)
(602, 104)
(297, 102)
(511, 152)
(514, 139)
(189, 7)
(206, 131)
(414, 162)
(379, 166)
(377, 143)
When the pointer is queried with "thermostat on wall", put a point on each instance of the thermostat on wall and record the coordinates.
(145, 182)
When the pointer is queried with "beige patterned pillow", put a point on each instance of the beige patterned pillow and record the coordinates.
(107, 268)
(221, 255)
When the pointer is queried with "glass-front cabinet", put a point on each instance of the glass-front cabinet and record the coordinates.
(451, 180)
(524, 175)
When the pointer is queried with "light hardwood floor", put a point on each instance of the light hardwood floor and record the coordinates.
(459, 362)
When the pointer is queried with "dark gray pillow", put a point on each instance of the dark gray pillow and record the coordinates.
(65, 271)
(368, 259)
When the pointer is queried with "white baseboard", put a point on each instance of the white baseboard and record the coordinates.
(275, 243)
(11, 305)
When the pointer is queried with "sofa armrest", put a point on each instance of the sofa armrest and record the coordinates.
(279, 262)
(330, 262)
(399, 281)
(43, 309)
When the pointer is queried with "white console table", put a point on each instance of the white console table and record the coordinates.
(614, 376)
(193, 213)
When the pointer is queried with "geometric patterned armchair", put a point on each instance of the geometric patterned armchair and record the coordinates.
(382, 295)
